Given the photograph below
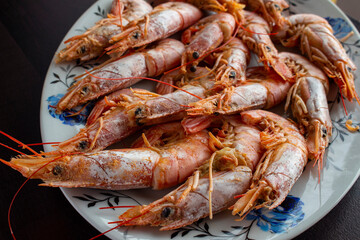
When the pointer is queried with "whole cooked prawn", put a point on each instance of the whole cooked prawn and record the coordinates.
(165, 20)
(309, 104)
(315, 37)
(120, 73)
(172, 157)
(93, 42)
(281, 165)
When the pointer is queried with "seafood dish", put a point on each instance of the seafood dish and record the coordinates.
(213, 108)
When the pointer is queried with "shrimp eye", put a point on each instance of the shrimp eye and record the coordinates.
(82, 49)
(277, 7)
(83, 145)
(57, 170)
(349, 69)
(324, 132)
(166, 212)
(138, 111)
(196, 55)
(84, 90)
(136, 35)
(232, 74)
(268, 48)
(193, 68)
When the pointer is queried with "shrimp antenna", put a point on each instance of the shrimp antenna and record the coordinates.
(22, 144)
(13, 149)
(146, 78)
(38, 144)
(119, 225)
(343, 102)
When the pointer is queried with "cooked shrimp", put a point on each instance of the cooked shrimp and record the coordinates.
(93, 42)
(113, 76)
(156, 166)
(165, 20)
(281, 165)
(315, 37)
(309, 104)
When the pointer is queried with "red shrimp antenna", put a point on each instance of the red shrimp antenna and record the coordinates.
(119, 225)
(343, 102)
(21, 144)
(12, 149)
(146, 78)
(38, 144)
(357, 98)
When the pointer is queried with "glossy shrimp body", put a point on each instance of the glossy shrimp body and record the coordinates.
(165, 55)
(165, 20)
(231, 169)
(157, 167)
(257, 38)
(263, 89)
(281, 165)
(270, 10)
(309, 103)
(206, 35)
(93, 42)
(315, 37)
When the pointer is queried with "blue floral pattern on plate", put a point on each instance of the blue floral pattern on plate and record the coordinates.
(285, 216)
(340, 27)
(65, 117)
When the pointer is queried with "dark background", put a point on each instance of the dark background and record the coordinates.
(30, 32)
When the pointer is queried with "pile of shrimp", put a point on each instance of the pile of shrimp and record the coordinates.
(206, 127)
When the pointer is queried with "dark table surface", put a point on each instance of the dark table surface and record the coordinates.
(30, 32)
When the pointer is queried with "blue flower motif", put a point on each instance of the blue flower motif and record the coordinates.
(340, 27)
(79, 119)
(278, 220)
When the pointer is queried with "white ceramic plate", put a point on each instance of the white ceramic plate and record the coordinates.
(309, 200)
